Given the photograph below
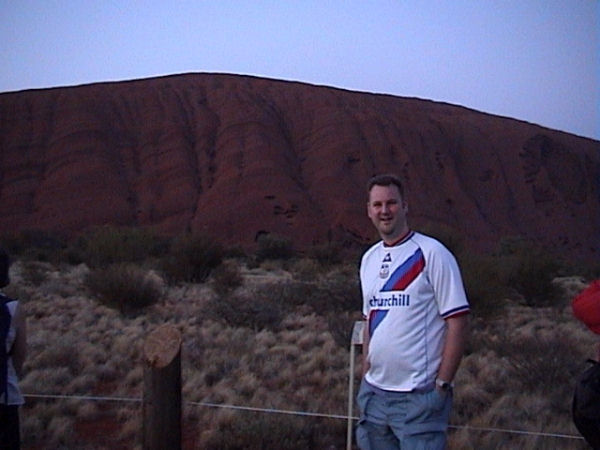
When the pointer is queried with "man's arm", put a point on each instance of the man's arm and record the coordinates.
(454, 346)
(365, 349)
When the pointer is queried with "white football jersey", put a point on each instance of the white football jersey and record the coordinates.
(408, 291)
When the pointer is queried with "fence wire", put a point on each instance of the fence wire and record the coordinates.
(292, 412)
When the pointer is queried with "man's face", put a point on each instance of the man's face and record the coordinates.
(387, 210)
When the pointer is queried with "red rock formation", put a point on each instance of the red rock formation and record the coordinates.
(234, 156)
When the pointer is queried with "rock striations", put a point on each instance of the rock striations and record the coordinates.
(236, 156)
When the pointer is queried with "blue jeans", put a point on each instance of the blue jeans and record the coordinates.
(402, 420)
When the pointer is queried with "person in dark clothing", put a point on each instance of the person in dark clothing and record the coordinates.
(12, 356)
(586, 399)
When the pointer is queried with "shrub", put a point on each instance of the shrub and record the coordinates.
(191, 258)
(540, 362)
(340, 326)
(306, 269)
(532, 278)
(331, 294)
(531, 271)
(450, 237)
(226, 278)
(34, 272)
(274, 247)
(36, 245)
(485, 284)
(326, 254)
(103, 246)
(261, 432)
(518, 267)
(62, 353)
(336, 298)
(124, 287)
(253, 310)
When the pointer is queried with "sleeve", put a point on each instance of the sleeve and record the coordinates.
(447, 282)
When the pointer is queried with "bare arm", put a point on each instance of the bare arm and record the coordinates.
(19, 348)
(454, 347)
(365, 349)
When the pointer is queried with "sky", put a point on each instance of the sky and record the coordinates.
(532, 60)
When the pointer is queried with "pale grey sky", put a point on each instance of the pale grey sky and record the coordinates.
(533, 60)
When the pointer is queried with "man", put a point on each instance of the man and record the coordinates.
(417, 315)
(12, 357)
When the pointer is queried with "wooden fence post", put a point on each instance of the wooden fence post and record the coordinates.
(355, 339)
(162, 389)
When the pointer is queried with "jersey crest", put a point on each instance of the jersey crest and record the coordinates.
(406, 273)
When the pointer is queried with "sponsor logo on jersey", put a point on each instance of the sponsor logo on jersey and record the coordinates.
(389, 301)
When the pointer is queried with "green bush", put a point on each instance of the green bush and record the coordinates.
(271, 246)
(125, 287)
(532, 278)
(191, 258)
(518, 270)
(102, 246)
(37, 245)
(531, 271)
(485, 280)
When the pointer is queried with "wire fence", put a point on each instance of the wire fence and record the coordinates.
(294, 413)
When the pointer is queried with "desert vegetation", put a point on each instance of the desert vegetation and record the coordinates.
(270, 332)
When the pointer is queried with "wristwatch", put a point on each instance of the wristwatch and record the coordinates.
(443, 385)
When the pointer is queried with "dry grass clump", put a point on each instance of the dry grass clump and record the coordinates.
(277, 339)
(227, 277)
(125, 286)
(519, 376)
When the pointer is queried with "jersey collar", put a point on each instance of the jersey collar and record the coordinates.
(400, 240)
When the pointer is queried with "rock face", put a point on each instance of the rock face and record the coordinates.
(236, 156)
